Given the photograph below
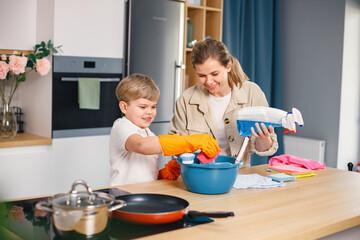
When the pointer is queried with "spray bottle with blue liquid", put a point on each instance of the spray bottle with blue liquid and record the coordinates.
(247, 117)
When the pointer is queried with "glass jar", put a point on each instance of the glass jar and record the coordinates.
(8, 124)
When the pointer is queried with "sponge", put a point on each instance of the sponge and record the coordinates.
(205, 159)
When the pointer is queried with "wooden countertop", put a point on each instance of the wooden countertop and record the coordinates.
(24, 139)
(307, 208)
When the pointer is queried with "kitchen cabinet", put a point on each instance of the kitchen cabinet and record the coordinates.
(90, 28)
(85, 158)
(207, 22)
(18, 25)
(26, 171)
(38, 170)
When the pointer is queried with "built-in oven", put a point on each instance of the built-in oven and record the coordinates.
(68, 120)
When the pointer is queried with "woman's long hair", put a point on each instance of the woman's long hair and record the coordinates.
(211, 48)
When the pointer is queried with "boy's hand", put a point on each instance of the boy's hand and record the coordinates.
(205, 142)
(175, 144)
(171, 171)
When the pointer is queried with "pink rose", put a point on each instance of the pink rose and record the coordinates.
(16, 214)
(17, 64)
(43, 66)
(4, 68)
(3, 57)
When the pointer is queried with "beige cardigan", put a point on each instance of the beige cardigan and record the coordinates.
(193, 115)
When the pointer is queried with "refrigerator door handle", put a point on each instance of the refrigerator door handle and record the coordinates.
(179, 65)
(179, 68)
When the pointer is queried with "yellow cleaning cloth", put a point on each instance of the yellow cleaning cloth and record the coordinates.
(297, 175)
(89, 93)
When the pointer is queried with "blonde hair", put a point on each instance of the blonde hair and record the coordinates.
(211, 48)
(137, 86)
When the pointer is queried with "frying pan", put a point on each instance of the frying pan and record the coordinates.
(146, 208)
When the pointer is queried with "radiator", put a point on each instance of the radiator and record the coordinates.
(305, 147)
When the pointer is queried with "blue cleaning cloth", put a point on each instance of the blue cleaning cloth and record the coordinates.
(281, 177)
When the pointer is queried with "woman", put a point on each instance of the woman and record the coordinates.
(212, 105)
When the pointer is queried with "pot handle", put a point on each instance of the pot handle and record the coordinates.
(117, 204)
(81, 182)
(44, 206)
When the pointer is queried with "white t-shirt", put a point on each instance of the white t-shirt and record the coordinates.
(129, 167)
(219, 106)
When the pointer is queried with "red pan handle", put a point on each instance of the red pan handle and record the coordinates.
(194, 214)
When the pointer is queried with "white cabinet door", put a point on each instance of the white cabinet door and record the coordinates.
(51, 169)
(90, 28)
(18, 24)
(26, 172)
(85, 158)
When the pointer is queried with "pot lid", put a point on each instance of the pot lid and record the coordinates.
(82, 199)
(87, 199)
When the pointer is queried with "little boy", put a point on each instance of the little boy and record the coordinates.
(134, 148)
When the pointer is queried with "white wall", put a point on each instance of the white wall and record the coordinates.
(34, 95)
(349, 130)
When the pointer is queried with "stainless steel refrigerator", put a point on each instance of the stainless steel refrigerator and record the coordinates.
(155, 48)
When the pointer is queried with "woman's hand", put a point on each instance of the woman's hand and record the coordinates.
(263, 141)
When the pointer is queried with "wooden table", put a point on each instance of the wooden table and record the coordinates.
(307, 208)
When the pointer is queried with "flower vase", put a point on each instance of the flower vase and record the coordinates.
(8, 124)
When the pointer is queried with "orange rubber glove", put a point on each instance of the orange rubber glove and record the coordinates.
(171, 171)
(175, 144)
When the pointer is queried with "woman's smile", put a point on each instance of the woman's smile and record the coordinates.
(214, 77)
(211, 87)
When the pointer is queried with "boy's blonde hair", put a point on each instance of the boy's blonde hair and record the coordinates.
(137, 86)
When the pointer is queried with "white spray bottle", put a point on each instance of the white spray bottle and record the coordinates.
(247, 117)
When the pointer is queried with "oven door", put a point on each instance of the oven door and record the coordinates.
(68, 120)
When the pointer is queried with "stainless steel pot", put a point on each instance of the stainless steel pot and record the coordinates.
(84, 212)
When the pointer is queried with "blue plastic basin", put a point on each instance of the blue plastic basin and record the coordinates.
(211, 178)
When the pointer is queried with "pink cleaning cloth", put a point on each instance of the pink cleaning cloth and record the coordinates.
(286, 159)
(205, 159)
(290, 169)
